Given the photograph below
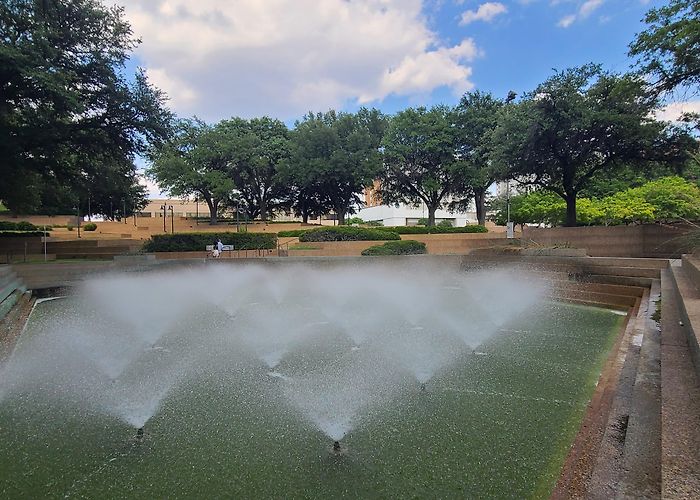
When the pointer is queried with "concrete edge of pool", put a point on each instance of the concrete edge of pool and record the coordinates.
(641, 431)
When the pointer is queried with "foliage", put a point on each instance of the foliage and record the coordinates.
(188, 242)
(20, 234)
(348, 233)
(472, 228)
(538, 207)
(354, 220)
(70, 227)
(258, 149)
(17, 226)
(90, 226)
(475, 118)
(334, 156)
(663, 200)
(419, 152)
(577, 123)
(673, 199)
(293, 233)
(69, 115)
(444, 223)
(195, 161)
(670, 47)
(403, 247)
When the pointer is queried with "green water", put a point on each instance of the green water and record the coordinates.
(493, 425)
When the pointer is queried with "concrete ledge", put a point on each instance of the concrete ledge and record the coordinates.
(689, 310)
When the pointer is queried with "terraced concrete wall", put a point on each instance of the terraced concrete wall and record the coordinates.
(648, 240)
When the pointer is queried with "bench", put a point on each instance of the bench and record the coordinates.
(228, 248)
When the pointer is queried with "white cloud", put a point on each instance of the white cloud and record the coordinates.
(285, 57)
(585, 10)
(486, 12)
(673, 111)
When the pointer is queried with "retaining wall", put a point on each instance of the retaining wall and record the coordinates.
(647, 240)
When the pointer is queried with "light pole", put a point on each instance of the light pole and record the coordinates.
(164, 208)
(124, 210)
(78, 211)
(238, 220)
(172, 220)
(196, 205)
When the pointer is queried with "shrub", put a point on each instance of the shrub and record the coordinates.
(189, 242)
(20, 234)
(348, 233)
(293, 233)
(444, 223)
(473, 228)
(18, 226)
(354, 220)
(90, 226)
(69, 227)
(375, 223)
(403, 247)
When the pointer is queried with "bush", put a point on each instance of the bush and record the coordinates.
(18, 226)
(348, 233)
(190, 242)
(473, 228)
(444, 223)
(354, 220)
(404, 247)
(69, 227)
(293, 233)
(90, 226)
(20, 234)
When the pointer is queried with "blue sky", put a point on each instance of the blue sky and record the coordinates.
(282, 58)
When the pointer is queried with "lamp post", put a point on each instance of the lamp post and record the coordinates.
(196, 205)
(124, 210)
(172, 219)
(164, 208)
(78, 211)
(238, 219)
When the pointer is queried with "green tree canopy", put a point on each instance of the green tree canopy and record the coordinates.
(670, 47)
(419, 159)
(335, 156)
(475, 118)
(195, 161)
(580, 122)
(259, 148)
(67, 113)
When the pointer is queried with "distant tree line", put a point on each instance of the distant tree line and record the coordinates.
(72, 126)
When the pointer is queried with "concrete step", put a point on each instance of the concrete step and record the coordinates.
(642, 448)
(680, 400)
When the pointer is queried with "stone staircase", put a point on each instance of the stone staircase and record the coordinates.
(641, 436)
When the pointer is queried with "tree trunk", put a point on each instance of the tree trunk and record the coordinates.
(341, 216)
(431, 215)
(263, 209)
(213, 205)
(305, 217)
(570, 209)
(480, 202)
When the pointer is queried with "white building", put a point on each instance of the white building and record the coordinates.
(404, 215)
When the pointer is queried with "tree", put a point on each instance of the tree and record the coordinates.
(66, 110)
(195, 162)
(537, 207)
(670, 47)
(335, 156)
(419, 159)
(577, 123)
(258, 149)
(475, 118)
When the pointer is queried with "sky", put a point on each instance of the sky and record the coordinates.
(283, 58)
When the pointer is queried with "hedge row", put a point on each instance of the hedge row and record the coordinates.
(189, 242)
(474, 228)
(21, 234)
(348, 233)
(18, 226)
(404, 247)
(294, 233)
